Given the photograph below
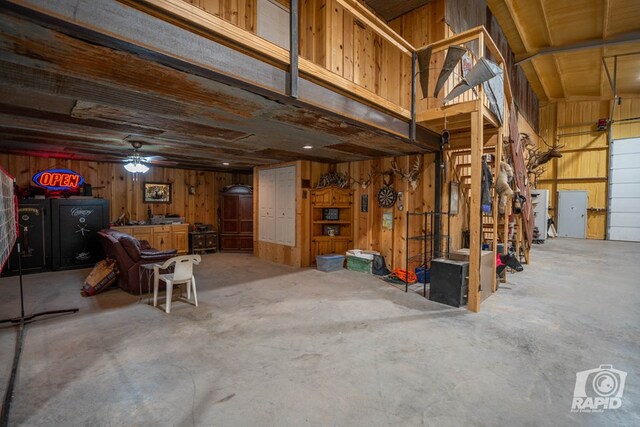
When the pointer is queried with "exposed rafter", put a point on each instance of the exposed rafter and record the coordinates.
(517, 24)
(633, 37)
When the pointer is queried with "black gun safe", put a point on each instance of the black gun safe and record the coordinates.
(34, 237)
(449, 282)
(74, 224)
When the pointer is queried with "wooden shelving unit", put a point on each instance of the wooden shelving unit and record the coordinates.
(341, 200)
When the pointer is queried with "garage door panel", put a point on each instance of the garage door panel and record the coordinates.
(625, 176)
(625, 161)
(625, 191)
(625, 205)
(625, 219)
(624, 194)
(631, 234)
(625, 146)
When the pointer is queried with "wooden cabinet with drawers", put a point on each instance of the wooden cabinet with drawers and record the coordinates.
(161, 237)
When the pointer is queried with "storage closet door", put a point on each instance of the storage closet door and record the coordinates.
(286, 205)
(267, 205)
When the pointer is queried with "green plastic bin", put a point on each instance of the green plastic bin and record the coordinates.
(361, 265)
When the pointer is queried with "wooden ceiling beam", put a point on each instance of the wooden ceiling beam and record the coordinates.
(560, 75)
(545, 18)
(605, 19)
(632, 37)
(542, 82)
(519, 28)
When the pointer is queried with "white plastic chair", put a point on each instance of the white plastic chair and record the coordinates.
(182, 274)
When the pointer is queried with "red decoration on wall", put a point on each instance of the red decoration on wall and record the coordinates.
(58, 179)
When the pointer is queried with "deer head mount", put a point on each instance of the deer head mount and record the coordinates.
(412, 176)
(537, 158)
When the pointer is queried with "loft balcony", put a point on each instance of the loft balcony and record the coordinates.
(189, 75)
(342, 47)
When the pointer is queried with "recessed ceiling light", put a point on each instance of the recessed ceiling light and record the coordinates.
(225, 163)
(308, 147)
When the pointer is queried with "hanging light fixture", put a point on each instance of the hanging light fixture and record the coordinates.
(135, 165)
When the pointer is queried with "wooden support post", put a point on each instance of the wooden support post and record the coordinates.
(475, 218)
(475, 211)
(505, 235)
(293, 49)
(496, 216)
(414, 73)
(519, 235)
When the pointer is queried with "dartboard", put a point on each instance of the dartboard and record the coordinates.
(386, 197)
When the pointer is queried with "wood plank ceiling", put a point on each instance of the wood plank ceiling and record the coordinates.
(62, 97)
(391, 9)
(560, 45)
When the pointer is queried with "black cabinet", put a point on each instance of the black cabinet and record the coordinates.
(33, 236)
(74, 224)
(449, 282)
(203, 241)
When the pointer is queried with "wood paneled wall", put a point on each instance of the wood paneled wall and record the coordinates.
(112, 182)
(420, 27)
(238, 12)
(584, 162)
(331, 37)
(368, 231)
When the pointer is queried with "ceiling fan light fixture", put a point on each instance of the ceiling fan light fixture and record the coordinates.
(136, 167)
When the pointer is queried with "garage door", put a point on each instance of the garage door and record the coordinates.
(624, 194)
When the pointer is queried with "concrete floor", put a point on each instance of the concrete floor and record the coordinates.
(271, 345)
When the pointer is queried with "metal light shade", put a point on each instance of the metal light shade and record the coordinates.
(483, 71)
(454, 55)
(424, 59)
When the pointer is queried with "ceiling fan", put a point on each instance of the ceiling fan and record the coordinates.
(136, 163)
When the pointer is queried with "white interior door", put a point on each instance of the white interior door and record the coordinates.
(624, 190)
(266, 205)
(277, 205)
(572, 214)
(285, 205)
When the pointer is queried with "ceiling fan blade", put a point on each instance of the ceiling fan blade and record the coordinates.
(153, 158)
(163, 162)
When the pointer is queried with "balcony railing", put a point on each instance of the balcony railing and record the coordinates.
(342, 45)
(477, 43)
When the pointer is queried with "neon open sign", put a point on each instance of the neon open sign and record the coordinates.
(58, 179)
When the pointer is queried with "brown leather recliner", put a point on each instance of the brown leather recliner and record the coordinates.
(130, 253)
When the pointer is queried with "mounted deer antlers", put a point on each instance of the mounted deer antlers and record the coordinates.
(364, 183)
(536, 158)
(367, 180)
(412, 175)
